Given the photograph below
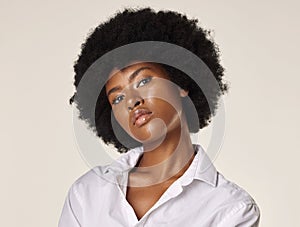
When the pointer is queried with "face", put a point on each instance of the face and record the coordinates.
(144, 101)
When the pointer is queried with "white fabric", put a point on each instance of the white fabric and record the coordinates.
(201, 197)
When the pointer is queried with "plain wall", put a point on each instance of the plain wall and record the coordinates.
(40, 40)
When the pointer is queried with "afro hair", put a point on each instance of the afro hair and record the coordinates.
(135, 25)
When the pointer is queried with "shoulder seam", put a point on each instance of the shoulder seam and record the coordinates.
(235, 210)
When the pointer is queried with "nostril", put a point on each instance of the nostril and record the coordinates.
(137, 103)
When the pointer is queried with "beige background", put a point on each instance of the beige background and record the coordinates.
(40, 40)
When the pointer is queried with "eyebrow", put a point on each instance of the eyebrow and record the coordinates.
(131, 78)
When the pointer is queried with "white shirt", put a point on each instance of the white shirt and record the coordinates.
(201, 197)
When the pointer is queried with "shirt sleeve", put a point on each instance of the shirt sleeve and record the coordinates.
(246, 215)
(72, 209)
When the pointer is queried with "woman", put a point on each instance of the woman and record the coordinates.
(161, 179)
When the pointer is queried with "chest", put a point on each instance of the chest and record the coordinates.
(143, 198)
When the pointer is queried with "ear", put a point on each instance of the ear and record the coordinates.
(183, 93)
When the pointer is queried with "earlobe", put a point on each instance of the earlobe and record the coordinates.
(183, 93)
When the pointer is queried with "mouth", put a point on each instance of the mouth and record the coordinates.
(141, 117)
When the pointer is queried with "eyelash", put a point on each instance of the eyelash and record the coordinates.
(145, 80)
(114, 102)
(148, 79)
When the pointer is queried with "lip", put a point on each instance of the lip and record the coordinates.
(141, 116)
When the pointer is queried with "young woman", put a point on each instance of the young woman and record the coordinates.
(162, 179)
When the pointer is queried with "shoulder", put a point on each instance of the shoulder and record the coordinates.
(231, 190)
(95, 177)
(105, 176)
(239, 207)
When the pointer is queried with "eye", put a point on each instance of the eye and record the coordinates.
(117, 99)
(144, 81)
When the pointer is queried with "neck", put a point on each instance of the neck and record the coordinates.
(170, 159)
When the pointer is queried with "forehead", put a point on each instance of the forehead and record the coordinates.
(119, 76)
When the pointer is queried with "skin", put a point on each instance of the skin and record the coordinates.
(168, 150)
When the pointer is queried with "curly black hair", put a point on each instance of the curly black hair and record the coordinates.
(135, 25)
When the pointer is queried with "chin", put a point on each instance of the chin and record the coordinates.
(152, 132)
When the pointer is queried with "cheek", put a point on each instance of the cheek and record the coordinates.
(166, 111)
(165, 93)
(121, 117)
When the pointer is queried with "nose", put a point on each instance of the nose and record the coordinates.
(132, 103)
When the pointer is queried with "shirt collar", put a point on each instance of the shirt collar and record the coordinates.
(201, 167)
